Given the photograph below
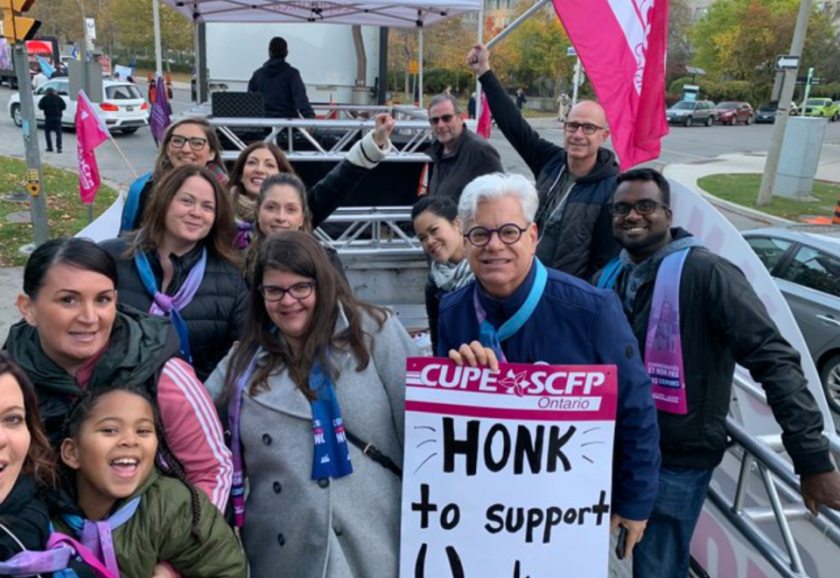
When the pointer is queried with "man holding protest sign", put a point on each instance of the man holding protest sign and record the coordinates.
(661, 273)
(521, 312)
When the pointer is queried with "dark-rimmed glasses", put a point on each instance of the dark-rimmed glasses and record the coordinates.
(446, 118)
(508, 234)
(643, 207)
(590, 129)
(299, 291)
(196, 143)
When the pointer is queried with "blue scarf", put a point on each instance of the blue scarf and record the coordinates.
(171, 306)
(331, 458)
(491, 337)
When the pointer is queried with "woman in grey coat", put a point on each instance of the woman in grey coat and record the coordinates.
(315, 373)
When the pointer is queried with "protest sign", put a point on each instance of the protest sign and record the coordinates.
(507, 474)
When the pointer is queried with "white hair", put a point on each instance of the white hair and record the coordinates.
(495, 186)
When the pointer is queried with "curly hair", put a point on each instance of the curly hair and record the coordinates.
(40, 462)
(165, 461)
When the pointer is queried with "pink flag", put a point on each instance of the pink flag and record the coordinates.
(622, 45)
(91, 132)
(485, 121)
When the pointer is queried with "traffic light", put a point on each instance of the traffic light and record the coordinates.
(18, 28)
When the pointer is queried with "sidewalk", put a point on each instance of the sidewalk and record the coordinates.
(689, 173)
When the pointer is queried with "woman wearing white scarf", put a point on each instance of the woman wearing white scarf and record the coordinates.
(438, 229)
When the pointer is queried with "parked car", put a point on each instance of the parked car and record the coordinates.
(822, 107)
(123, 107)
(732, 112)
(804, 261)
(767, 111)
(689, 112)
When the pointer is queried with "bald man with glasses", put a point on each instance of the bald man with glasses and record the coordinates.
(575, 182)
(458, 154)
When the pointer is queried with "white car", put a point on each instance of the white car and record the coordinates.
(123, 108)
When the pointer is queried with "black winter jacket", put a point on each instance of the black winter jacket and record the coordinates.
(216, 316)
(283, 88)
(52, 105)
(584, 233)
(723, 322)
(138, 348)
(472, 157)
(26, 516)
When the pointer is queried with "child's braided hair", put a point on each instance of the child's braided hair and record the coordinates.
(165, 461)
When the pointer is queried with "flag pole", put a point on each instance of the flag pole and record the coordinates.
(122, 154)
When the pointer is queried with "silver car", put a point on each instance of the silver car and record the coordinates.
(804, 261)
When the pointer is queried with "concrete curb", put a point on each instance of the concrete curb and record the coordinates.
(743, 211)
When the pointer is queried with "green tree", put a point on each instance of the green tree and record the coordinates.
(741, 39)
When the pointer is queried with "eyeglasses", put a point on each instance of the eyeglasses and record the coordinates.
(508, 234)
(300, 291)
(196, 143)
(643, 207)
(446, 118)
(590, 129)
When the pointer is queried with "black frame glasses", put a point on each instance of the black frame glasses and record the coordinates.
(505, 233)
(446, 118)
(587, 128)
(643, 207)
(196, 143)
(298, 291)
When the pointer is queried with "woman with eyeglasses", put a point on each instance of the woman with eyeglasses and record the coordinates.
(282, 205)
(181, 264)
(316, 376)
(188, 142)
(261, 160)
(438, 229)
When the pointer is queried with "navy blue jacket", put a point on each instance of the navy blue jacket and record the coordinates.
(577, 324)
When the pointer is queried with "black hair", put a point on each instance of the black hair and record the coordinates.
(278, 48)
(165, 460)
(440, 206)
(82, 254)
(648, 175)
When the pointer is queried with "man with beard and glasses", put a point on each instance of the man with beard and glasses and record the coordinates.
(695, 316)
(458, 154)
(575, 182)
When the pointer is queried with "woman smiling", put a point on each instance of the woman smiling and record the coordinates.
(182, 264)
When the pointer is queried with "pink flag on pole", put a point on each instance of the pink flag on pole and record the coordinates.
(91, 132)
(485, 121)
(622, 45)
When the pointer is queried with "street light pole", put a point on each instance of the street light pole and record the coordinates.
(771, 167)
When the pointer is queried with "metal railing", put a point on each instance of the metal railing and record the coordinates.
(760, 455)
(372, 232)
(344, 124)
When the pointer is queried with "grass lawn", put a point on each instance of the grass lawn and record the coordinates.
(67, 215)
(743, 190)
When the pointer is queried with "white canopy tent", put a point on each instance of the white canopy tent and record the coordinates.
(399, 14)
(402, 13)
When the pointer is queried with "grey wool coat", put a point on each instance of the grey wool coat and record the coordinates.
(297, 527)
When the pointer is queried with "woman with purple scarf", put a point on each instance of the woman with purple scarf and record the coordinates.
(316, 377)
(181, 264)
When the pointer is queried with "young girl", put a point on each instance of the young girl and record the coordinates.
(438, 229)
(122, 487)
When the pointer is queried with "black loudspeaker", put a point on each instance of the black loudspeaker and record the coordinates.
(238, 105)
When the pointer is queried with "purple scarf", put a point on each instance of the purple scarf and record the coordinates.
(663, 344)
(171, 305)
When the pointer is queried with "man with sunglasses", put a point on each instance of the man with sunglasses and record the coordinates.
(574, 182)
(695, 315)
(458, 154)
(519, 311)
